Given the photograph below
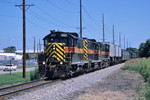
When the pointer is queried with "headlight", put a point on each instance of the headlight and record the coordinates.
(54, 47)
(61, 63)
(43, 62)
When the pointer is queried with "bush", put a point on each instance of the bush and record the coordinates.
(147, 93)
(34, 75)
(142, 66)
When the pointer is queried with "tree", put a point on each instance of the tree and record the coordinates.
(141, 50)
(144, 49)
(28, 56)
(10, 49)
(147, 48)
(132, 50)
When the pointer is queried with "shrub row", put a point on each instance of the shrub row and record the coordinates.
(142, 66)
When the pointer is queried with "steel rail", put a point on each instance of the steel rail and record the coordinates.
(21, 84)
(28, 88)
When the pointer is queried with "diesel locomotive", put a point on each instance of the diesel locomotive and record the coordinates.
(66, 53)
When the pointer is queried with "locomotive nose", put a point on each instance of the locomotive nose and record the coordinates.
(55, 51)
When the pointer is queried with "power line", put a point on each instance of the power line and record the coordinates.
(45, 20)
(107, 32)
(53, 17)
(91, 34)
(67, 11)
(89, 30)
(40, 26)
(89, 25)
(90, 17)
(71, 3)
(8, 2)
(9, 16)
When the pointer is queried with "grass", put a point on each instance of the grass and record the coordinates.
(15, 78)
(20, 67)
(142, 66)
(139, 89)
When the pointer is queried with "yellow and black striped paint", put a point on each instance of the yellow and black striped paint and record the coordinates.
(85, 49)
(56, 50)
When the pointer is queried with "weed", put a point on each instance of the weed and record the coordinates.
(34, 75)
(142, 66)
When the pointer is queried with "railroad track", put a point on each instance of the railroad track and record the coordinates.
(7, 92)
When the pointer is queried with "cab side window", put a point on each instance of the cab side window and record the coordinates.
(70, 41)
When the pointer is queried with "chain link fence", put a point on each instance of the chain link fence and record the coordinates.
(18, 62)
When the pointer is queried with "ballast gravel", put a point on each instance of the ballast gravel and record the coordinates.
(68, 88)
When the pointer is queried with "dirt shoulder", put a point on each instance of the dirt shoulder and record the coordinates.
(121, 85)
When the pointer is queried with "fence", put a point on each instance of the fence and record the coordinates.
(18, 62)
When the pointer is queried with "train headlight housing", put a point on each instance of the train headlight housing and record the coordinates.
(61, 63)
(54, 47)
(43, 62)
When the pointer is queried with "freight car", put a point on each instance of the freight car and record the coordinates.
(126, 55)
(66, 53)
(114, 53)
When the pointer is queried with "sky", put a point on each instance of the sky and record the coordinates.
(130, 17)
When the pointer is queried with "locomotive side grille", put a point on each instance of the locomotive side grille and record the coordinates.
(56, 50)
(85, 49)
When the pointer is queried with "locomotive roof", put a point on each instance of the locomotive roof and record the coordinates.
(75, 35)
(93, 40)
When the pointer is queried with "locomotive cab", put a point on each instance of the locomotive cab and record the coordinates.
(57, 49)
(54, 48)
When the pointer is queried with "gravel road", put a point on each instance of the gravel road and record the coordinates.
(70, 88)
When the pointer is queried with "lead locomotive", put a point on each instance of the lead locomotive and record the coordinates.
(66, 54)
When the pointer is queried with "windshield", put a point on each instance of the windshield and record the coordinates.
(8, 65)
(56, 40)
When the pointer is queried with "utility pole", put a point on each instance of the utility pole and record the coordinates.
(103, 30)
(124, 42)
(37, 53)
(34, 48)
(127, 43)
(80, 19)
(39, 46)
(24, 41)
(24, 37)
(120, 39)
(113, 35)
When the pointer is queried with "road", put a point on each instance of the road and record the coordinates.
(18, 70)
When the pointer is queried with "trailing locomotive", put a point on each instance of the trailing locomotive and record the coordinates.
(65, 54)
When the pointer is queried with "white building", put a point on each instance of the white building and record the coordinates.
(10, 56)
(17, 55)
(31, 52)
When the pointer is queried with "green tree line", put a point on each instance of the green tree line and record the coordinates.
(144, 49)
(10, 49)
